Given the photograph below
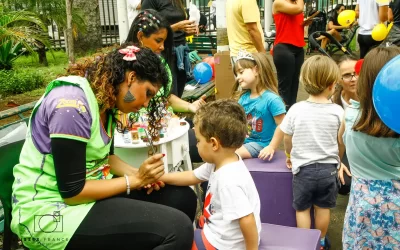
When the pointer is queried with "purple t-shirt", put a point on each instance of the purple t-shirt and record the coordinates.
(63, 113)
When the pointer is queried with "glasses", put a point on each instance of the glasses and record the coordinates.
(349, 77)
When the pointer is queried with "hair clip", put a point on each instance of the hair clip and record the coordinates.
(129, 52)
(243, 54)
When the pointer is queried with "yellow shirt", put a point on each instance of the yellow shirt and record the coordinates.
(238, 13)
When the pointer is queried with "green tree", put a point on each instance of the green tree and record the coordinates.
(50, 11)
(19, 29)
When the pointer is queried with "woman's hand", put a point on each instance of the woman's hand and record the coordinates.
(266, 153)
(189, 27)
(194, 106)
(150, 171)
(342, 169)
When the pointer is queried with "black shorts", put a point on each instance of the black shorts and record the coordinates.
(315, 184)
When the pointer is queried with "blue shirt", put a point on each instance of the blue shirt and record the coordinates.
(260, 112)
(372, 158)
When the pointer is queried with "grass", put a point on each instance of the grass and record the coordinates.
(58, 62)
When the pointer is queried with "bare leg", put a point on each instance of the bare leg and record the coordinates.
(322, 218)
(242, 151)
(303, 219)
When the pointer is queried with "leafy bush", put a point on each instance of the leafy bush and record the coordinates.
(19, 81)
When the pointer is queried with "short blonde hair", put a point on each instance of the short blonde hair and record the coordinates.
(318, 73)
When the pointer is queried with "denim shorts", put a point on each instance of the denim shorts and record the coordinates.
(315, 184)
(254, 148)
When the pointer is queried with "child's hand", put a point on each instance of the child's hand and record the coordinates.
(342, 169)
(288, 163)
(267, 152)
(154, 186)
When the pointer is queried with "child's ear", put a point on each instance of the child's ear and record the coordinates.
(255, 70)
(332, 86)
(214, 143)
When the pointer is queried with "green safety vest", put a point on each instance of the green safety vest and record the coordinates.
(40, 217)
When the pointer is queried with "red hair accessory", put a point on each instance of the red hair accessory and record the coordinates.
(129, 53)
(358, 66)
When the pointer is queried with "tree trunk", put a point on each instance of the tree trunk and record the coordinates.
(42, 54)
(222, 34)
(70, 39)
(91, 40)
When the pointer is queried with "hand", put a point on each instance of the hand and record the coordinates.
(288, 163)
(194, 106)
(342, 169)
(267, 152)
(307, 22)
(150, 171)
(187, 26)
(154, 186)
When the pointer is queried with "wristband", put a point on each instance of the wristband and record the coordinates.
(287, 154)
(128, 186)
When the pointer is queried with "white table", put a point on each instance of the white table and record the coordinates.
(175, 147)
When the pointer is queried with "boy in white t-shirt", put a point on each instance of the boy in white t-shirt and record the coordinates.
(232, 205)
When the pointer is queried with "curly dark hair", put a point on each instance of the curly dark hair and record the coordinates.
(106, 73)
(149, 22)
(223, 119)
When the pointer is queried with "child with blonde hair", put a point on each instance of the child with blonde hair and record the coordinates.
(311, 145)
(232, 205)
(264, 107)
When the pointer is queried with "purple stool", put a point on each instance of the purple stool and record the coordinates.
(274, 237)
(274, 184)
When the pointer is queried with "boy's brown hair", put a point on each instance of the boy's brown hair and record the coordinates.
(369, 121)
(318, 73)
(224, 120)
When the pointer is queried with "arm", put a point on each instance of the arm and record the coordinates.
(287, 140)
(357, 10)
(383, 13)
(71, 174)
(390, 15)
(275, 142)
(278, 135)
(342, 147)
(119, 167)
(249, 230)
(343, 168)
(256, 36)
(291, 8)
(332, 26)
(186, 178)
(179, 105)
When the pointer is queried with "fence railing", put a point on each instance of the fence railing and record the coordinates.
(109, 17)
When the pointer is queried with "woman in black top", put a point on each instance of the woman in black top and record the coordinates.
(174, 12)
(334, 28)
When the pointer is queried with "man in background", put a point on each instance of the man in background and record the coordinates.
(244, 27)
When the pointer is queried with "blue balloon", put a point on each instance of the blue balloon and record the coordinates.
(202, 72)
(386, 94)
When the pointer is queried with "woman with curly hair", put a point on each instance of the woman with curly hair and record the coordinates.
(70, 190)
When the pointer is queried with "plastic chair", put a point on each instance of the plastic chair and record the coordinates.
(9, 157)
